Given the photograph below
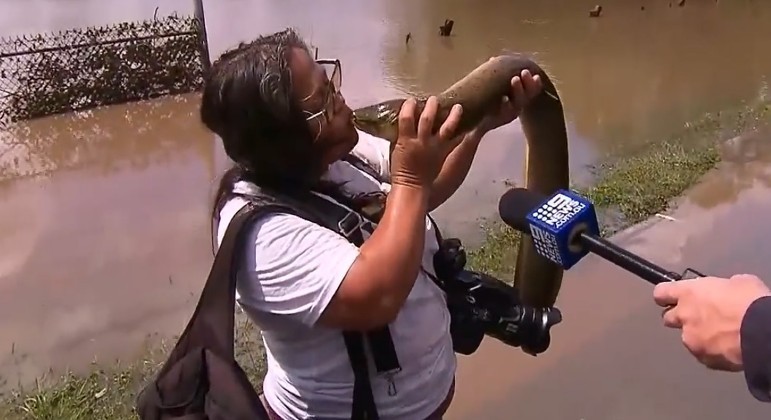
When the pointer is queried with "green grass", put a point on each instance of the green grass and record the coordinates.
(99, 395)
(628, 189)
(109, 392)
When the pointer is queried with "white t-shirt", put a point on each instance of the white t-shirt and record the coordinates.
(290, 277)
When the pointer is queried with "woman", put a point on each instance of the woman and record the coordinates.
(284, 123)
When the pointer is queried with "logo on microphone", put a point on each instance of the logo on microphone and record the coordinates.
(546, 244)
(554, 221)
(558, 210)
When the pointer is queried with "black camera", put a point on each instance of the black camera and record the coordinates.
(481, 304)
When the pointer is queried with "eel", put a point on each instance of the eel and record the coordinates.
(537, 279)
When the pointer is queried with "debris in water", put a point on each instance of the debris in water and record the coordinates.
(408, 38)
(681, 3)
(665, 217)
(446, 29)
(596, 12)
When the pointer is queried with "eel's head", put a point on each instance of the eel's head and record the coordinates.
(380, 120)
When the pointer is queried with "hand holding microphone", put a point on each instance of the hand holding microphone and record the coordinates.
(711, 313)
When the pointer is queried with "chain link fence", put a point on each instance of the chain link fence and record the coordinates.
(83, 68)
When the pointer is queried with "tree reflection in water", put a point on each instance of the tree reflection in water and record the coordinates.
(106, 139)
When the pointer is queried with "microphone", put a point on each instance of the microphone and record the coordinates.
(564, 229)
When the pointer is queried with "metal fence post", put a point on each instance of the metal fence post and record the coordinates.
(204, 44)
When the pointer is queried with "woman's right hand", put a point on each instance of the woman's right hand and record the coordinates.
(419, 154)
(370, 296)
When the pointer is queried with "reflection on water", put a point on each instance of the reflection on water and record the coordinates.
(746, 162)
(104, 230)
(134, 137)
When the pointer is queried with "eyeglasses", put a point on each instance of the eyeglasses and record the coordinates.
(335, 76)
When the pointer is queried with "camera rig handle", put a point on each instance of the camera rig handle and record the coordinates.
(534, 328)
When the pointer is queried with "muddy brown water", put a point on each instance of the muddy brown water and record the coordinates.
(104, 231)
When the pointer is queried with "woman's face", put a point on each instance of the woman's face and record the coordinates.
(330, 120)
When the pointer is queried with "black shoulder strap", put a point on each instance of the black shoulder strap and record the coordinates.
(218, 298)
(348, 224)
(359, 164)
(211, 327)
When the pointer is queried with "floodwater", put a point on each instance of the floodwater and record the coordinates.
(104, 229)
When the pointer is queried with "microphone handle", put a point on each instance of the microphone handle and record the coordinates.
(635, 264)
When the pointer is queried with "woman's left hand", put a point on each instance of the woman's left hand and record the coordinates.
(524, 88)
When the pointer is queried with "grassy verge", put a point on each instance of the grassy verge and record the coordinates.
(628, 189)
(109, 392)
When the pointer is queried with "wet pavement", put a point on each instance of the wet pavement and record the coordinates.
(104, 226)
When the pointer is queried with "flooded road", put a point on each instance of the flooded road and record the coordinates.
(104, 229)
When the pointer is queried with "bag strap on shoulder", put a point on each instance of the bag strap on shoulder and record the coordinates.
(218, 297)
(348, 224)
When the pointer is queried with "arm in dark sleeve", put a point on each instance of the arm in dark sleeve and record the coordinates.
(756, 348)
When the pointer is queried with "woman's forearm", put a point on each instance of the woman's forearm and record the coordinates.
(454, 170)
(389, 261)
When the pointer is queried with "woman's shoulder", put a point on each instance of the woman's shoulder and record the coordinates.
(289, 266)
(275, 230)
